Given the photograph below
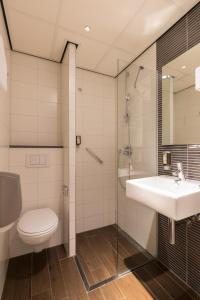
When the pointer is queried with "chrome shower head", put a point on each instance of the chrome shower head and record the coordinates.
(138, 72)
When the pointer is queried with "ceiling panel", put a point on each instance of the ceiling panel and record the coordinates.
(113, 62)
(120, 30)
(185, 4)
(30, 35)
(147, 25)
(45, 9)
(106, 18)
(89, 52)
(177, 73)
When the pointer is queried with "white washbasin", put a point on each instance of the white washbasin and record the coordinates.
(163, 194)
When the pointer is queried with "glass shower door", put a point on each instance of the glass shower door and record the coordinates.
(136, 143)
(96, 230)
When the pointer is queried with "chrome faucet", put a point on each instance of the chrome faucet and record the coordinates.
(179, 173)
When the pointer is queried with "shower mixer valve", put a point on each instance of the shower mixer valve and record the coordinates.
(128, 151)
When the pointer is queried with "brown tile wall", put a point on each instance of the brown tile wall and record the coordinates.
(184, 257)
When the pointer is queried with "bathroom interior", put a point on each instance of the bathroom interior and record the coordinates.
(99, 150)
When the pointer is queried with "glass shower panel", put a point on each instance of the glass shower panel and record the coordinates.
(96, 230)
(137, 224)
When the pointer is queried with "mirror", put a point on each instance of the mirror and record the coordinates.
(181, 99)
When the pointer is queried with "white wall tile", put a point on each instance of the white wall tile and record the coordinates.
(48, 94)
(23, 74)
(41, 187)
(23, 90)
(48, 125)
(48, 109)
(21, 138)
(23, 123)
(48, 139)
(48, 79)
(95, 122)
(4, 149)
(35, 91)
(24, 107)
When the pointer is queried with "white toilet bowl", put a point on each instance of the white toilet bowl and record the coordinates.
(37, 226)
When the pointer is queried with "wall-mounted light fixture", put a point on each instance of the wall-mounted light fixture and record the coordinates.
(197, 79)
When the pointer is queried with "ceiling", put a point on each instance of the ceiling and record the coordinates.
(120, 29)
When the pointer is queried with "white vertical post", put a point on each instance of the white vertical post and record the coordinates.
(171, 109)
(68, 74)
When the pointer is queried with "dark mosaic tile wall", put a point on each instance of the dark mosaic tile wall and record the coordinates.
(184, 257)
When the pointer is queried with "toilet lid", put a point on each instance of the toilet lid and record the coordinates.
(38, 221)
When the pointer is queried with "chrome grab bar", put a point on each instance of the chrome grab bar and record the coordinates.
(94, 155)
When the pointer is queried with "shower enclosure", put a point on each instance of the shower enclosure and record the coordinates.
(136, 149)
(129, 240)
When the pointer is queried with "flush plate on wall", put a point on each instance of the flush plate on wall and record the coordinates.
(37, 161)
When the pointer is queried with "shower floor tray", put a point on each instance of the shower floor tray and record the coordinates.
(107, 252)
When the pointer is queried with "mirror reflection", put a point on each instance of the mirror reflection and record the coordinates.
(181, 99)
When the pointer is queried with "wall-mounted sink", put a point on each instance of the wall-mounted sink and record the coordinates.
(176, 200)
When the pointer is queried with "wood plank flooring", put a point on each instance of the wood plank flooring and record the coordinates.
(49, 275)
(105, 252)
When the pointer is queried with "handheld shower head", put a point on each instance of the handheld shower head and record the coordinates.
(138, 72)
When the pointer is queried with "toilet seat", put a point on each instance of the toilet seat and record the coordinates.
(38, 222)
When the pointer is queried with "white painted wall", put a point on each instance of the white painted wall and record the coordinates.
(96, 123)
(137, 220)
(35, 101)
(4, 150)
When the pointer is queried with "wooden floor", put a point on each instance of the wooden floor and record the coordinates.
(105, 252)
(49, 275)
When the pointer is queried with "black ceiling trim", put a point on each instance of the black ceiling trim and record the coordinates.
(55, 61)
(6, 25)
(63, 54)
(96, 72)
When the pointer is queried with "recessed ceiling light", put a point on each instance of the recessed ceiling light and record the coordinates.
(166, 76)
(87, 28)
(183, 67)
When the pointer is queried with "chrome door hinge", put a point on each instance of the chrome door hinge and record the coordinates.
(65, 190)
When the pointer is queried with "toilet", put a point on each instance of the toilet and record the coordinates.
(37, 226)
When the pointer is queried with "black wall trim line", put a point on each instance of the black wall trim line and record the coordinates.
(64, 51)
(6, 25)
(95, 72)
(33, 146)
(48, 59)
